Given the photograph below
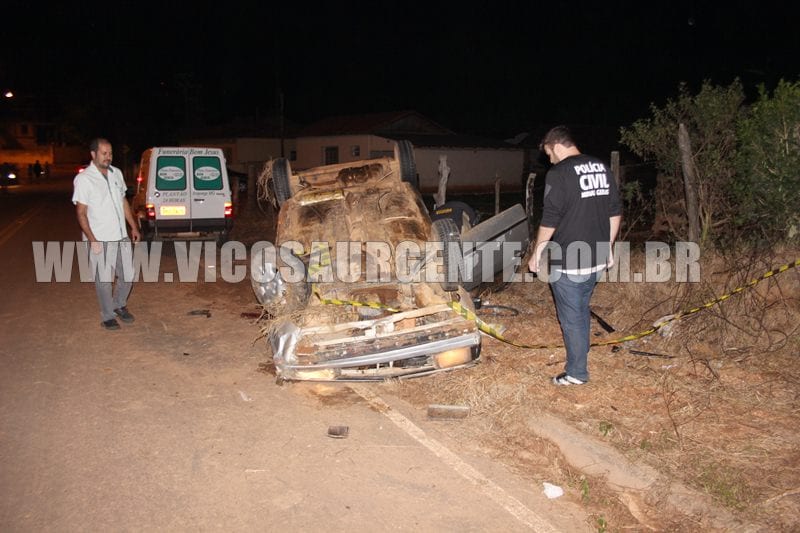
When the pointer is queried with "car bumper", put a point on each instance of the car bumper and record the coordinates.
(406, 344)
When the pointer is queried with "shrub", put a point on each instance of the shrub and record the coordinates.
(767, 184)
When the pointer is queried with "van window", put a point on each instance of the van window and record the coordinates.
(170, 173)
(207, 173)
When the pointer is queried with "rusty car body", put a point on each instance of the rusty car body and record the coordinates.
(327, 328)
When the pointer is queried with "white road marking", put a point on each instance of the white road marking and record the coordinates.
(516, 508)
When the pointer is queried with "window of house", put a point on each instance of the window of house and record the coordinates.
(331, 155)
(355, 150)
(292, 155)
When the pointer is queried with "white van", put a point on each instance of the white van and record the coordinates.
(183, 192)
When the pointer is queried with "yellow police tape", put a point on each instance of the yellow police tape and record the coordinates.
(323, 260)
(493, 331)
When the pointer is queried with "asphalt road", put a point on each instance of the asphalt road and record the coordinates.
(168, 424)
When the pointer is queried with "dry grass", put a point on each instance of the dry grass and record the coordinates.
(721, 415)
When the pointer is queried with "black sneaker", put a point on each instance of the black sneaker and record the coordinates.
(124, 315)
(110, 324)
(564, 379)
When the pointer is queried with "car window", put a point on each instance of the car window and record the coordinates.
(170, 173)
(207, 173)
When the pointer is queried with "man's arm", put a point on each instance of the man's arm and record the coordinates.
(83, 221)
(543, 235)
(135, 235)
(614, 222)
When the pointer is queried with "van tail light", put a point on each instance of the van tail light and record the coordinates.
(151, 211)
(228, 210)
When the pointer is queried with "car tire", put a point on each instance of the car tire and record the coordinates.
(283, 297)
(446, 232)
(404, 153)
(281, 179)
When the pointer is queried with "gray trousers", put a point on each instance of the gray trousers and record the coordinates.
(113, 269)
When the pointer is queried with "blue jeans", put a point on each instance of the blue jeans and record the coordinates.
(572, 294)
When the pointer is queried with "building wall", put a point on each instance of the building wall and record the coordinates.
(471, 169)
(245, 152)
(23, 158)
(311, 150)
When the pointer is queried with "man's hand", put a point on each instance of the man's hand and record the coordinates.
(97, 247)
(536, 258)
(135, 235)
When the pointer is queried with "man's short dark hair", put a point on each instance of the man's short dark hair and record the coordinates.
(557, 135)
(96, 142)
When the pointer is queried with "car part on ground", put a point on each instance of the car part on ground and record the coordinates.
(509, 226)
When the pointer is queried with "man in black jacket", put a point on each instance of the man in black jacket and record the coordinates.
(580, 220)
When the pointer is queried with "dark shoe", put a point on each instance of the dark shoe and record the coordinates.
(124, 315)
(564, 379)
(110, 324)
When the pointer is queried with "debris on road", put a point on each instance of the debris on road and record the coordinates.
(338, 432)
(448, 412)
(552, 491)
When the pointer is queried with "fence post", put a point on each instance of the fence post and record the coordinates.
(496, 193)
(529, 206)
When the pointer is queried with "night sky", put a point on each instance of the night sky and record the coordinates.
(493, 69)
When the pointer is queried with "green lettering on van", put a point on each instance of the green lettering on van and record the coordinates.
(170, 173)
(207, 173)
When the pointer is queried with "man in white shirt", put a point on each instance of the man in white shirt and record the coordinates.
(102, 210)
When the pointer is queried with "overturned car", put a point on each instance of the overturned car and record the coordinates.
(361, 284)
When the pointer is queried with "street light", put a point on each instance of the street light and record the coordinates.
(8, 94)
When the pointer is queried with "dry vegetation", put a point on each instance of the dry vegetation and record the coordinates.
(719, 411)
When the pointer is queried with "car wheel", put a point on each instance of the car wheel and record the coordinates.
(277, 296)
(281, 177)
(446, 232)
(404, 153)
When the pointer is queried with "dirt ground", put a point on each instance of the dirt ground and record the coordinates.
(694, 427)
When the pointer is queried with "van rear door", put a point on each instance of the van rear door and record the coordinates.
(171, 196)
(208, 192)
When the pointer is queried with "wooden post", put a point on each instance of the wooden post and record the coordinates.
(615, 167)
(496, 193)
(689, 180)
(529, 206)
(444, 173)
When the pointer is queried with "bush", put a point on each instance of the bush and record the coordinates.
(767, 184)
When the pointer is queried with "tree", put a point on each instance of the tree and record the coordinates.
(710, 118)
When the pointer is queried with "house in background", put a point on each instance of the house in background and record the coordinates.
(247, 144)
(475, 163)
